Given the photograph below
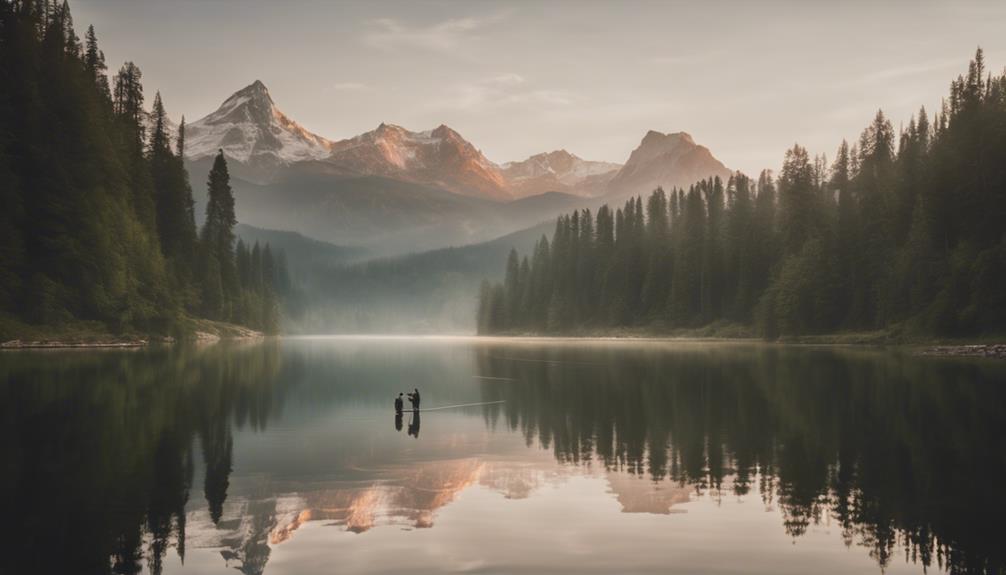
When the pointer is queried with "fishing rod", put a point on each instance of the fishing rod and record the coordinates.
(454, 406)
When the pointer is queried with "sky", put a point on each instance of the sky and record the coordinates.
(747, 79)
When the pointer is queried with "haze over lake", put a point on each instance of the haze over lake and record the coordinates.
(583, 456)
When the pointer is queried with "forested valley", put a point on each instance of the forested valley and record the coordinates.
(98, 223)
(904, 231)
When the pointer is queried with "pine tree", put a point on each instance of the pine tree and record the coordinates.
(797, 200)
(94, 63)
(512, 290)
(526, 295)
(128, 99)
(173, 199)
(485, 309)
(217, 242)
(180, 142)
(740, 277)
(655, 285)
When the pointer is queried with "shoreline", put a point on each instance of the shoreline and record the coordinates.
(200, 338)
(17, 344)
(214, 332)
(92, 335)
(989, 350)
(978, 346)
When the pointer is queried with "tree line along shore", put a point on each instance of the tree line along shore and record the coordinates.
(900, 239)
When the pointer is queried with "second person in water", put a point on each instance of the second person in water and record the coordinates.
(414, 399)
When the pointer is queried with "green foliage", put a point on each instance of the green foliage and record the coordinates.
(97, 221)
(890, 236)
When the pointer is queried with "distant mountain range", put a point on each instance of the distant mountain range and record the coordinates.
(558, 171)
(395, 190)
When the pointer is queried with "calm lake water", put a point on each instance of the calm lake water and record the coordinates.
(593, 457)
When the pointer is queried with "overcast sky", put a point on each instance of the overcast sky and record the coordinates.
(747, 79)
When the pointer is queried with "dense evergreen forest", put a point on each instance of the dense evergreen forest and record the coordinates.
(97, 220)
(904, 231)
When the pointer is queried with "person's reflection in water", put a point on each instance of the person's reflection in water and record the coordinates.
(414, 425)
(398, 421)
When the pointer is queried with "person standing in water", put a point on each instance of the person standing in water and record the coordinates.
(414, 398)
(399, 406)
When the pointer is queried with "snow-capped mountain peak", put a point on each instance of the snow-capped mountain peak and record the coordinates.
(249, 127)
(558, 170)
(439, 158)
(566, 167)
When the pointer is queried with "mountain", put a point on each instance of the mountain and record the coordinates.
(668, 160)
(257, 136)
(250, 129)
(439, 158)
(264, 145)
(558, 171)
(384, 215)
(395, 191)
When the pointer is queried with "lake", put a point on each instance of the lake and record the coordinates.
(286, 456)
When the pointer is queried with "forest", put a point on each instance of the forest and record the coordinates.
(903, 232)
(98, 222)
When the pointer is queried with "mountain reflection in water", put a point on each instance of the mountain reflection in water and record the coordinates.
(126, 461)
(900, 451)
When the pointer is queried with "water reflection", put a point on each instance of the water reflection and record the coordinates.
(97, 449)
(414, 424)
(905, 454)
(105, 454)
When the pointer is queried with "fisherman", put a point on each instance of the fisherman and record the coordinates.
(414, 399)
(399, 404)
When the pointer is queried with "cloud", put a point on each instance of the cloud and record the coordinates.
(508, 79)
(503, 90)
(389, 34)
(348, 87)
(911, 70)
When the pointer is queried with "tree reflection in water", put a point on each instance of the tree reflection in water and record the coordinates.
(903, 452)
(98, 449)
